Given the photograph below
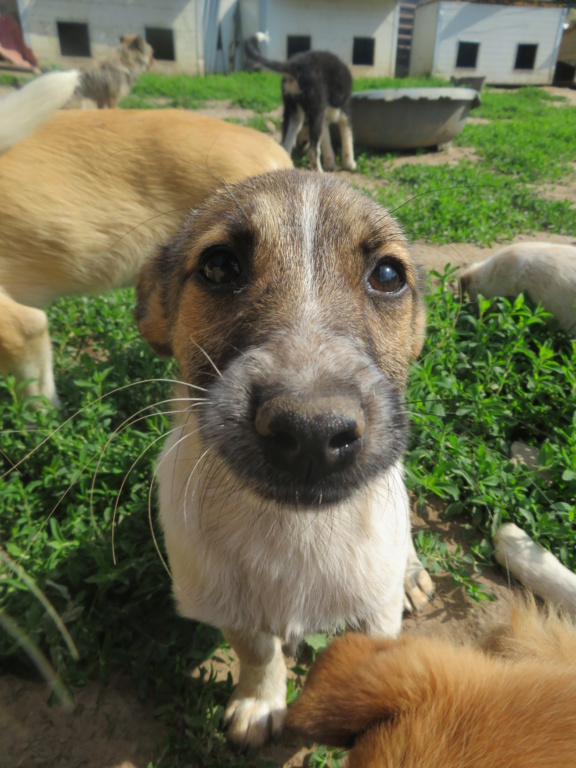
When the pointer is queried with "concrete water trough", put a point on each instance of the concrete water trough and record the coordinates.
(410, 118)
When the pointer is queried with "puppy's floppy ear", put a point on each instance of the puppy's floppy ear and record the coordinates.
(419, 314)
(137, 43)
(419, 329)
(341, 698)
(150, 313)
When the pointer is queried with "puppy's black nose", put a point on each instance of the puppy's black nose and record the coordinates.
(311, 437)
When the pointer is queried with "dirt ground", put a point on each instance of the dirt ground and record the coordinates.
(110, 727)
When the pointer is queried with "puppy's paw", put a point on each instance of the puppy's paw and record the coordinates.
(418, 586)
(251, 721)
(329, 164)
(350, 165)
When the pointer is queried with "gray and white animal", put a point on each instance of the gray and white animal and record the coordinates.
(110, 79)
(316, 90)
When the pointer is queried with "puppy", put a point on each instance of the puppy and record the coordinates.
(110, 79)
(316, 89)
(423, 702)
(545, 271)
(293, 307)
(85, 200)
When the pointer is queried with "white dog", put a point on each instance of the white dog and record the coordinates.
(535, 567)
(545, 271)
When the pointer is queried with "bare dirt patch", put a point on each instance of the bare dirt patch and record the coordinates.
(105, 727)
(449, 155)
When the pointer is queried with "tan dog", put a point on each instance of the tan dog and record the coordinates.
(110, 79)
(422, 702)
(545, 271)
(293, 307)
(86, 199)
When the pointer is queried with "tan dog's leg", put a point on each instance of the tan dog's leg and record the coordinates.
(348, 161)
(25, 349)
(328, 159)
(257, 708)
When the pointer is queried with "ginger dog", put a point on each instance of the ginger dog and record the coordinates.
(422, 702)
(293, 307)
(86, 199)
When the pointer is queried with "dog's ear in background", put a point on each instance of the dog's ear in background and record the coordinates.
(137, 43)
(345, 694)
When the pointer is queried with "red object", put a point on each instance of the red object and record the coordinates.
(12, 45)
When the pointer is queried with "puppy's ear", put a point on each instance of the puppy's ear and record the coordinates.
(137, 43)
(419, 327)
(341, 696)
(150, 313)
(419, 313)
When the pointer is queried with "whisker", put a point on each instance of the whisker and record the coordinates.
(134, 463)
(151, 487)
(129, 422)
(93, 402)
(207, 356)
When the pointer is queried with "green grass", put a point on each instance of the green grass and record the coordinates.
(259, 91)
(464, 203)
(75, 512)
(527, 142)
(530, 140)
(483, 382)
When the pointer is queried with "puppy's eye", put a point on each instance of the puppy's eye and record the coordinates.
(221, 267)
(387, 277)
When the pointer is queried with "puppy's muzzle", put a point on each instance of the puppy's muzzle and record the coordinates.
(312, 437)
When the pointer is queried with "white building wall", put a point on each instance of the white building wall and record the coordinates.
(498, 29)
(108, 19)
(332, 25)
(424, 39)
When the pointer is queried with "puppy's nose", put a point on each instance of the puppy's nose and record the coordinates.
(311, 437)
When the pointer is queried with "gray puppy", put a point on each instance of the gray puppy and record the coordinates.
(110, 79)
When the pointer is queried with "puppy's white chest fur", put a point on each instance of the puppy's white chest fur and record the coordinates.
(241, 562)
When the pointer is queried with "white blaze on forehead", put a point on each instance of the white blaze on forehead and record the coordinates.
(309, 222)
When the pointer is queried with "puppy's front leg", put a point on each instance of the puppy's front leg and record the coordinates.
(258, 705)
(388, 620)
(417, 582)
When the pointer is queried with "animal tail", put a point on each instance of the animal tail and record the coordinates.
(534, 634)
(535, 567)
(252, 51)
(21, 112)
